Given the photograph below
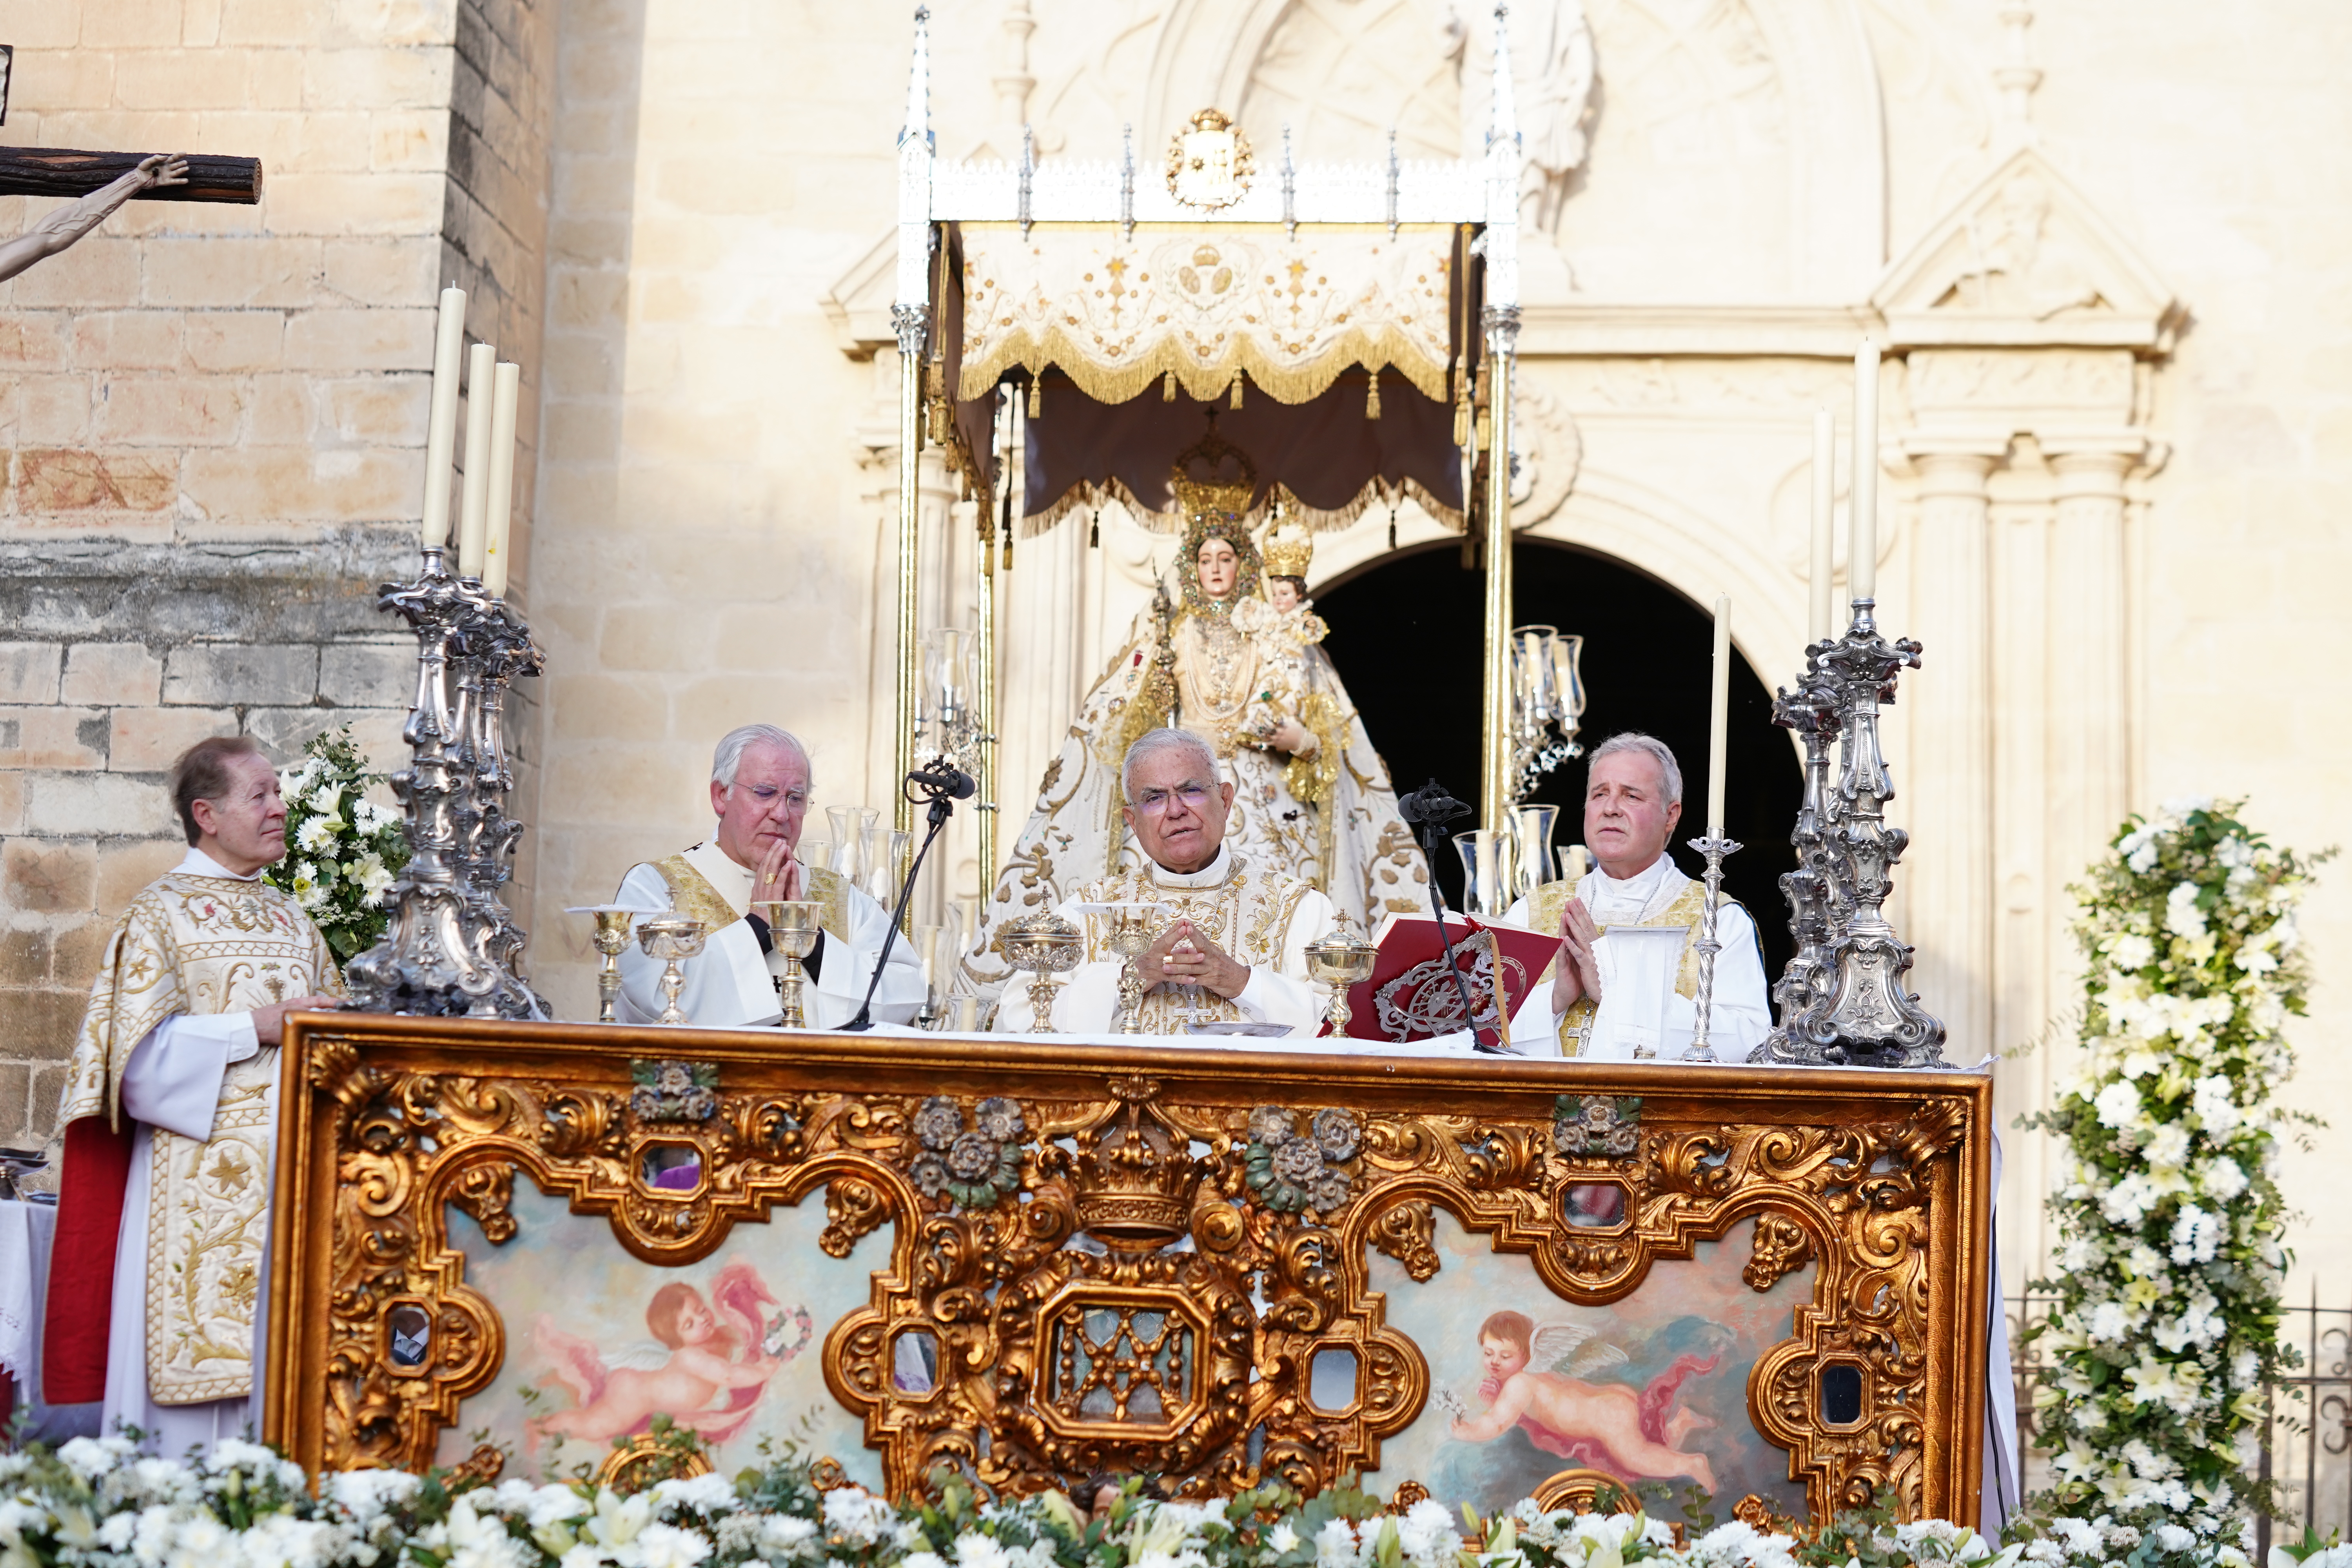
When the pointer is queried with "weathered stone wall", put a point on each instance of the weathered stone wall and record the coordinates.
(214, 420)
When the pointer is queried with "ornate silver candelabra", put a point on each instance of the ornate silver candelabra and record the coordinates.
(1816, 711)
(453, 947)
(1854, 1005)
(1703, 1004)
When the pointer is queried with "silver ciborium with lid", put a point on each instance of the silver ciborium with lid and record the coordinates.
(1042, 946)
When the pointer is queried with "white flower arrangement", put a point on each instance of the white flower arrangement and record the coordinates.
(102, 1504)
(343, 852)
(2165, 1329)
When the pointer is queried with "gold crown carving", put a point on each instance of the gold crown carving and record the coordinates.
(1211, 492)
(1288, 550)
(1135, 1186)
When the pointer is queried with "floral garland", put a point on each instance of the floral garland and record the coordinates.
(2165, 1329)
(343, 851)
(101, 1503)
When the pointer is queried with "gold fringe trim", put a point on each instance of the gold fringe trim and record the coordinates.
(1169, 361)
(1089, 498)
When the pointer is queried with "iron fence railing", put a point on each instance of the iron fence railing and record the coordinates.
(2307, 1440)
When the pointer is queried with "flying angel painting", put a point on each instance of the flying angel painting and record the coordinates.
(706, 1367)
(1543, 1378)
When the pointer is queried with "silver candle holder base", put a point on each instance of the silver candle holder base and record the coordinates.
(1703, 1008)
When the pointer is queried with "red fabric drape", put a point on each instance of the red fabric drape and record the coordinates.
(81, 1263)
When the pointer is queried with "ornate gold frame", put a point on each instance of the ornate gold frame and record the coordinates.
(1284, 1169)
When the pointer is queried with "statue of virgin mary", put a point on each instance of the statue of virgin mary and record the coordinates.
(1310, 796)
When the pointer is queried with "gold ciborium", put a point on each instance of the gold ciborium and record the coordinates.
(1131, 932)
(1339, 959)
(792, 932)
(672, 937)
(1042, 945)
(610, 940)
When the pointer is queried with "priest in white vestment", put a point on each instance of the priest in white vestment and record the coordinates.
(1605, 1001)
(176, 1070)
(760, 779)
(1229, 945)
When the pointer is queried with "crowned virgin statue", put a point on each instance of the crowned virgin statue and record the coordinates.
(1237, 661)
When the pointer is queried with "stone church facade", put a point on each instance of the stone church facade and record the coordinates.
(2103, 245)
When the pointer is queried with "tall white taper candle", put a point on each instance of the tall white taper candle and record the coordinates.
(441, 423)
(1823, 581)
(505, 389)
(1718, 718)
(474, 513)
(1862, 543)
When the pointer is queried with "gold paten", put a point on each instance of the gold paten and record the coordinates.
(1064, 1356)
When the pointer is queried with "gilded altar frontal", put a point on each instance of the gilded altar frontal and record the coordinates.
(1216, 1267)
(1930, 421)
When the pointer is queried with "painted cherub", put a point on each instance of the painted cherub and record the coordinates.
(1609, 1424)
(699, 1353)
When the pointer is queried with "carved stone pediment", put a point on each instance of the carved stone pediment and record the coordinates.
(2024, 260)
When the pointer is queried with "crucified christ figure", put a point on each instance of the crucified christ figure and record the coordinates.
(57, 231)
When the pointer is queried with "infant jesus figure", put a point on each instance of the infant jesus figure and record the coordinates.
(1284, 625)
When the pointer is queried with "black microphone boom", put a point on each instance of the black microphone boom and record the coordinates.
(947, 780)
(1430, 808)
(944, 783)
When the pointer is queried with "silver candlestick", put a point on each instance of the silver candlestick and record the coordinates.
(1816, 711)
(1703, 1006)
(453, 947)
(1859, 1010)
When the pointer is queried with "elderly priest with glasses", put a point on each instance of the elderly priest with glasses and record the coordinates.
(759, 790)
(1232, 948)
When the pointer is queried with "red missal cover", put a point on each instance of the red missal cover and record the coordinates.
(1411, 996)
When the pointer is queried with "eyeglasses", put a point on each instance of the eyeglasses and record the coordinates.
(1152, 801)
(794, 800)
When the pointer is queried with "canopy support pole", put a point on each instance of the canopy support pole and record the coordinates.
(1496, 784)
(984, 684)
(910, 321)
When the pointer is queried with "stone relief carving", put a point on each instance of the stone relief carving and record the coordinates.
(1552, 73)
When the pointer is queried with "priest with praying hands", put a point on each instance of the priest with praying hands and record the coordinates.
(760, 781)
(1230, 937)
(1614, 998)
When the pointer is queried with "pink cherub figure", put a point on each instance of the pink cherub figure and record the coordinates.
(699, 1353)
(1607, 1425)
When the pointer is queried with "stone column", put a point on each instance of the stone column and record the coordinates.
(1950, 725)
(2090, 693)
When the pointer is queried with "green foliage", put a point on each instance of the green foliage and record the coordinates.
(343, 850)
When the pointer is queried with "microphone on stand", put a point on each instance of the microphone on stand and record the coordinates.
(1429, 809)
(944, 778)
(942, 783)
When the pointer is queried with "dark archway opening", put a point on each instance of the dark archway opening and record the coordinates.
(1405, 634)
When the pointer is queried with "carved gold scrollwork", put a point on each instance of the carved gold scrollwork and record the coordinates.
(1035, 1215)
(1404, 1233)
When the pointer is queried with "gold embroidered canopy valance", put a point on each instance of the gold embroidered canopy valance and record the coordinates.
(1119, 313)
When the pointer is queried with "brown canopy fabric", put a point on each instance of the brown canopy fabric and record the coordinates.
(1326, 459)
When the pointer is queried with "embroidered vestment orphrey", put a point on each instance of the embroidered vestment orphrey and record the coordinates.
(199, 945)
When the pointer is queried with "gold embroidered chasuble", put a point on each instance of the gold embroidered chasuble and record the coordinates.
(1249, 914)
(692, 895)
(1545, 905)
(198, 944)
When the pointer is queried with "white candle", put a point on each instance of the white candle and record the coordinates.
(441, 423)
(506, 390)
(1861, 546)
(1718, 720)
(474, 513)
(1823, 581)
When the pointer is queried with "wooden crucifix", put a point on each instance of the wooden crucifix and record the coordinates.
(101, 182)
